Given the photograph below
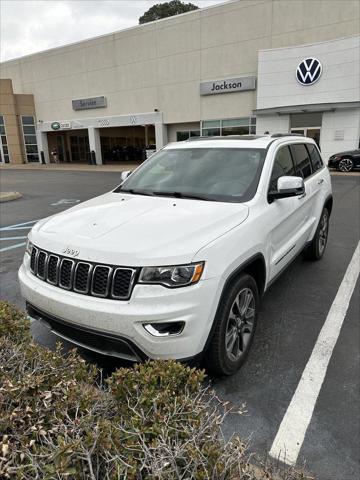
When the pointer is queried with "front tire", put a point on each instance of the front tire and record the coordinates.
(316, 249)
(346, 165)
(235, 325)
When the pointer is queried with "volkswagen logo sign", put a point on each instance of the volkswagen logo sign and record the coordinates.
(308, 71)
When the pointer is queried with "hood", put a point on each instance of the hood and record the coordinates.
(136, 230)
(348, 152)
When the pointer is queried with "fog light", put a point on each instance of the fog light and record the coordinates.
(166, 329)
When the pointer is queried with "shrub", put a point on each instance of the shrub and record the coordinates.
(13, 323)
(154, 421)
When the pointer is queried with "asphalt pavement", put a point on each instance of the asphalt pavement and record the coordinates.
(293, 312)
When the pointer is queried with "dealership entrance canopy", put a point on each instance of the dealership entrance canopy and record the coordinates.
(236, 68)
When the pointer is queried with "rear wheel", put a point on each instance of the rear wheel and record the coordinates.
(346, 165)
(316, 249)
(235, 325)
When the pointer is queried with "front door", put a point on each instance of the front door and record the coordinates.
(311, 132)
(282, 219)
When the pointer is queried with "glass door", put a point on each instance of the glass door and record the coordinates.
(311, 132)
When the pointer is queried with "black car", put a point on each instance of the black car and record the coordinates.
(345, 161)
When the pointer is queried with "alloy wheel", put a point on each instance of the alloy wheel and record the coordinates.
(240, 324)
(346, 165)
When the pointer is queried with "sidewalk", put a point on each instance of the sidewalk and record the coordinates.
(78, 167)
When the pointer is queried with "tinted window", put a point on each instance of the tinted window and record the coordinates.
(283, 165)
(302, 160)
(315, 158)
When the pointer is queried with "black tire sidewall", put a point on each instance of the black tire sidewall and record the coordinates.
(225, 366)
(319, 254)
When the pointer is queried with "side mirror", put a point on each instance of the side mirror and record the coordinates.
(124, 175)
(287, 187)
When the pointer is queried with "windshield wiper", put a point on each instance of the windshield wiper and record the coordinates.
(194, 196)
(136, 191)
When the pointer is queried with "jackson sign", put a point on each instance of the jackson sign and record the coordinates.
(230, 85)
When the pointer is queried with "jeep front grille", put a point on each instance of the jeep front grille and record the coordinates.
(106, 281)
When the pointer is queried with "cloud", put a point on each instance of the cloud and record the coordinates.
(29, 26)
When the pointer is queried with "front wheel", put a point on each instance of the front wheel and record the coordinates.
(235, 325)
(346, 165)
(316, 249)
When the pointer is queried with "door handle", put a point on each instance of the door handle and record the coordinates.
(320, 181)
(302, 196)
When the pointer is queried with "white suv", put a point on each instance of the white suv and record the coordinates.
(173, 262)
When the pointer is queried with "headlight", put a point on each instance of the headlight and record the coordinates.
(29, 247)
(173, 276)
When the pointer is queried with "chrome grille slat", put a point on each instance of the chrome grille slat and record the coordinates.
(33, 260)
(82, 276)
(66, 273)
(41, 264)
(86, 278)
(118, 285)
(101, 281)
(52, 269)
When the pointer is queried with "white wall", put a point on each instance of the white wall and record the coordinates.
(160, 65)
(343, 123)
(339, 82)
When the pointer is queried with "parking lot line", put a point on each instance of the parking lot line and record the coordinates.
(11, 238)
(290, 436)
(19, 226)
(12, 247)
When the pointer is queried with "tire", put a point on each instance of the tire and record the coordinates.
(235, 323)
(346, 165)
(316, 249)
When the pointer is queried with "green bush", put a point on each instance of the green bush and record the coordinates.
(154, 421)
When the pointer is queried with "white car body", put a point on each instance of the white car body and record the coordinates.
(137, 231)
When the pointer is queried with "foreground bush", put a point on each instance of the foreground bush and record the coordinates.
(153, 421)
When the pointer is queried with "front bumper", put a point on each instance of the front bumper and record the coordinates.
(124, 320)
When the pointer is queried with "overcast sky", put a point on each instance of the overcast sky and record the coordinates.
(28, 26)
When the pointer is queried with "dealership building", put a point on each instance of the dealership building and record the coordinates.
(241, 67)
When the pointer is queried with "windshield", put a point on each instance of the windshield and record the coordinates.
(219, 174)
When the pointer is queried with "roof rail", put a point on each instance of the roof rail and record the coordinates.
(225, 137)
(279, 135)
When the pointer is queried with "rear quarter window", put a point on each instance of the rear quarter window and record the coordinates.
(316, 161)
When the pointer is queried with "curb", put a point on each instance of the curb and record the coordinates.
(9, 196)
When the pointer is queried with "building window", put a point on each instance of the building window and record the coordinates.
(186, 134)
(30, 143)
(4, 150)
(231, 126)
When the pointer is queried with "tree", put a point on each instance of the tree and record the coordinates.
(167, 9)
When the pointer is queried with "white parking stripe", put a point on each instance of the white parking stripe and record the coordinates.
(292, 430)
(11, 238)
(18, 226)
(12, 247)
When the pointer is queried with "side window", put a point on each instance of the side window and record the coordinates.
(315, 158)
(283, 165)
(302, 160)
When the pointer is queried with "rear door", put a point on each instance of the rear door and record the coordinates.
(305, 210)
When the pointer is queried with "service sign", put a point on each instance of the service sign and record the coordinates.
(88, 103)
(229, 85)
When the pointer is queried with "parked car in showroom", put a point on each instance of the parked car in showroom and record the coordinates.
(174, 261)
(345, 161)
